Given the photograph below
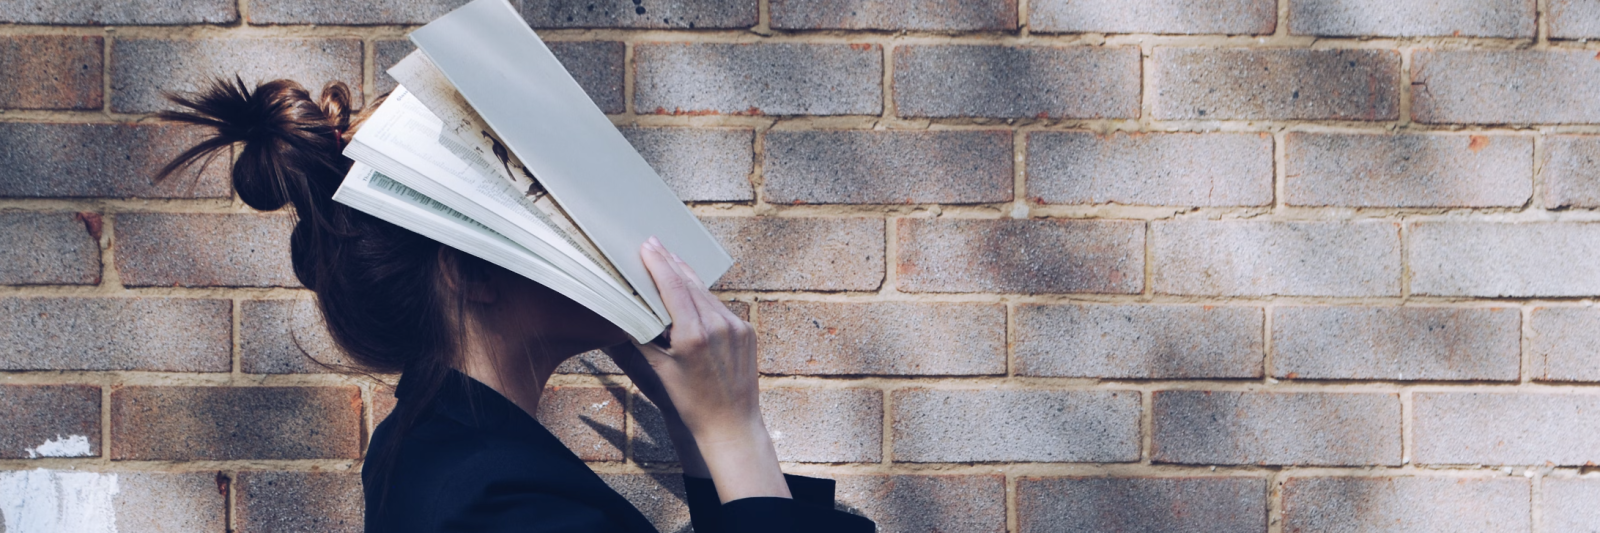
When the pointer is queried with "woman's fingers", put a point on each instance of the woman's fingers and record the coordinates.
(702, 294)
(675, 291)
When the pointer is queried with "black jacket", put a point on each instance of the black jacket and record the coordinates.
(474, 461)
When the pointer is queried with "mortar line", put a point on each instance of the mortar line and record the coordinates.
(1019, 175)
(106, 66)
(1281, 30)
(890, 110)
(1405, 260)
(1406, 95)
(1536, 502)
(230, 500)
(1147, 425)
(1280, 172)
(1536, 192)
(1013, 523)
(891, 259)
(1268, 347)
(1275, 483)
(1147, 294)
(1011, 338)
(887, 440)
(629, 78)
(1527, 364)
(1408, 448)
(236, 350)
(369, 71)
(1541, 23)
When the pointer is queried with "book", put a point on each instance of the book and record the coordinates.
(488, 145)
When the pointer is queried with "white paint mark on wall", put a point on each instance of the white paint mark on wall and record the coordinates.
(71, 446)
(50, 501)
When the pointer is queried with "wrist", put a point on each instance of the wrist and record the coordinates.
(742, 462)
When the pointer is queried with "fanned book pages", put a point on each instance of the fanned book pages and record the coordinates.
(489, 146)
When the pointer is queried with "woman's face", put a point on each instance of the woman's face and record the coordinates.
(545, 319)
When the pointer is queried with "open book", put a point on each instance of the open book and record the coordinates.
(489, 146)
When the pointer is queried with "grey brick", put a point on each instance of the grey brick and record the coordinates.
(1254, 84)
(887, 167)
(700, 164)
(941, 503)
(595, 65)
(49, 248)
(951, 426)
(1566, 344)
(349, 11)
(151, 423)
(1505, 86)
(1254, 17)
(879, 338)
(825, 425)
(163, 502)
(56, 160)
(1571, 171)
(1250, 258)
(49, 421)
(1177, 505)
(651, 442)
(1412, 170)
(1574, 19)
(51, 71)
(299, 501)
(1405, 504)
(1399, 343)
(203, 250)
(689, 14)
(1413, 18)
(1179, 169)
(1021, 256)
(1489, 259)
(123, 12)
(286, 337)
(758, 79)
(1263, 428)
(1512, 429)
(1568, 505)
(659, 496)
(819, 254)
(926, 15)
(588, 420)
(1137, 341)
(590, 362)
(1016, 81)
(141, 69)
(384, 55)
(150, 334)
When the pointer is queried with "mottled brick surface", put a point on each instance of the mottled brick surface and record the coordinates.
(1027, 256)
(148, 334)
(1571, 171)
(1568, 505)
(698, 14)
(590, 362)
(298, 501)
(651, 443)
(887, 167)
(1184, 169)
(1243, 428)
(1016, 81)
(966, 425)
(49, 249)
(1565, 343)
(286, 337)
(142, 68)
(161, 503)
(1178, 505)
(1516, 429)
(235, 423)
(384, 55)
(57, 160)
(1574, 19)
(947, 504)
(1505, 86)
(202, 250)
(597, 66)
(659, 496)
(1491, 259)
(928, 15)
(1413, 18)
(819, 254)
(51, 72)
(1153, 16)
(813, 425)
(1313, 504)
(49, 417)
(758, 79)
(1417, 170)
(349, 11)
(1253, 84)
(1399, 343)
(1138, 341)
(700, 164)
(1249, 258)
(99, 12)
(882, 338)
(589, 420)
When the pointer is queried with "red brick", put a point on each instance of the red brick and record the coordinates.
(1252, 17)
(51, 72)
(124, 12)
(1423, 505)
(1138, 341)
(235, 423)
(1020, 256)
(941, 503)
(1257, 84)
(882, 338)
(1505, 428)
(887, 167)
(1496, 259)
(383, 403)
(1179, 505)
(1263, 428)
(349, 12)
(1413, 18)
(1411, 170)
(1568, 505)
(53, 160)
(925, 15)
(161, 502)
(141, 69)
(825, 425)
(286, 337)
(49, 248)
(699, 14)
(1179, 169)
(969, 425)
(148, 334)
(1574, 19)
(1398, 343)
(1258, 258)
(817, 254)
(1016, 81)
(700, 164)
(659, 496)
(1505, 86)
(590, 362)
(204, 250)
(758, 78)
(1566, 344)
(589, 420)
(1571, 171)
(298, 501)
(49, 421)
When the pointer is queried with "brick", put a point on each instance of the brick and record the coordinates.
(49, 248)
(1413, 18)
(299, 501)
(1398, 343)
(1574, 19)
(942, 503)
(51, 72)
(1016, 81)
(669, 512)
(1251, 258)
(383, 403)
(1181, 505)
(1515, 429)
(1405, 504)
(887, 167)
(1138, 341)
(286, 337)
(1256, 84)
(235, 423)
(1568, 505)
(919, 15)
(949, 426)
(1237, 17)
(698, 14)
(204, 250)
(758, 79)
(1571, 171)
(52, 160)
(1021, 256)
(894, 338)
(147, 334)
(1423, 170)
(597, 66)
(825, 425)
(141, 69)
(49, 421)
(1564, 342)
(651, 442)
(700, 164)
(1489, 259)
(1505, 86)
(1178, 169)
(129, 12)
(384, 55)
(1263, 428)
(349, 11)
(589, 420)
(818, 254)
(162, 502)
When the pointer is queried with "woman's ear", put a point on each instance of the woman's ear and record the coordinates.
(468, 275)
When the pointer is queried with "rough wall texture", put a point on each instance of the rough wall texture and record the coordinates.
(1017, 265)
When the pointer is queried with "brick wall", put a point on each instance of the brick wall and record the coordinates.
(1016, 265)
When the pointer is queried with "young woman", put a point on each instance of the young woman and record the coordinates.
(474, 345)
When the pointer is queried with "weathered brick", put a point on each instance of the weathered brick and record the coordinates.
(882, 338)
(49, 248)
(162, 502)
(1400, 343)
(1243, 428)
(1250, 258)
(1571, 171)
(1432, 505)
(946, 504)
(825, 425)
(1255, 84)
(383, 404)
(1181, 169)
(202, 250)
(1138, 341)
(1181, 505)
(669, 512)
(1253, 17)
(1489, 259)
(589, 420)
(923, 15)
(1413, 18)
(1025, 256)
(758, 79)
(946, 426)
(701, 14)
(651, 442)
(286, 337)
(1413, 170)
(235, 423)
(141, 69)
(152, 334)
(50, 160)
(1564, 344)
(298, 501)
(1568, 505)
(700, 164)
(125, 12)
(1515, 429)
(887, 167)
(384, 55)
(819, 254)
(1016, 81)
(49, 421)
(1505, 86)
(349, 11)
(51, 71)
(1574, 19)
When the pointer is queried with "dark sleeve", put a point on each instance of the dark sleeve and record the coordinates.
(529, 512)
(810, 510)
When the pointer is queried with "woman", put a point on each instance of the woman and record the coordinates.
(475, 344)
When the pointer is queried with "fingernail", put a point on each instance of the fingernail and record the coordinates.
(676, 258)
(653, 242)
